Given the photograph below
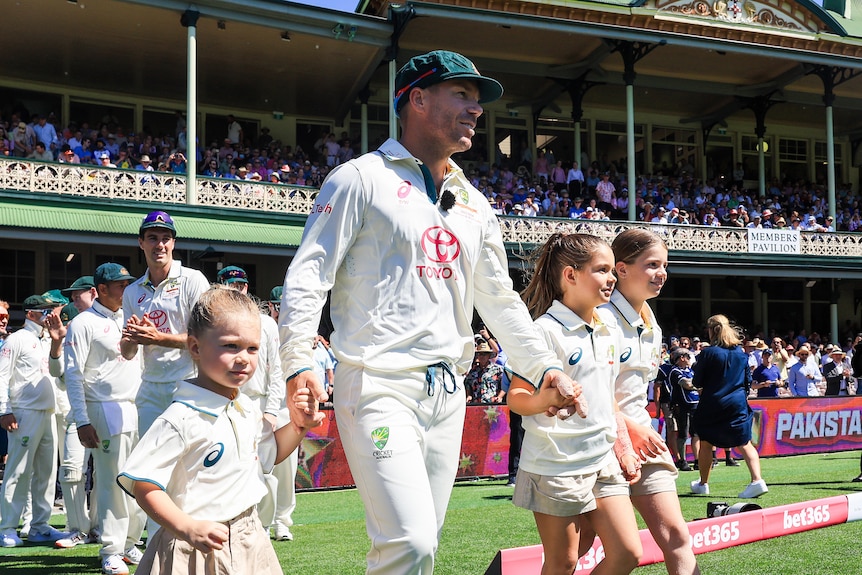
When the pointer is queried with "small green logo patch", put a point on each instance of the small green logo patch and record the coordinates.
(380, 436)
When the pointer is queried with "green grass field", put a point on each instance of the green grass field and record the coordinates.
(330, 529)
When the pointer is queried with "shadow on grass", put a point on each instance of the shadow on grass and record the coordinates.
(41, 564)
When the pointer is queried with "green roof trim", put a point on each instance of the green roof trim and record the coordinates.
(217, 227)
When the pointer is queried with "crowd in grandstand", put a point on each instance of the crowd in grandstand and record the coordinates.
(546, 187)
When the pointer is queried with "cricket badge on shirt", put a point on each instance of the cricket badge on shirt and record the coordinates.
(214, 455)
(610, 355)
(380, 437)
(172, 289)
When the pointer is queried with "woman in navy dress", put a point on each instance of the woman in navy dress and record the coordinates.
(723, 417)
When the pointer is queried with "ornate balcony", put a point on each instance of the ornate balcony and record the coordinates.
(160, 187)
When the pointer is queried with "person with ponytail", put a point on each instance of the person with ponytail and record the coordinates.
(723, 417)
(574, 472)
(641, 270)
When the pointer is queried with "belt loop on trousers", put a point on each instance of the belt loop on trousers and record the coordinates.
(431, 376)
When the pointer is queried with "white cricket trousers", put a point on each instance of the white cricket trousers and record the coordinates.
(402, 439)
(152, 400)
(119, 515)
(31, 467)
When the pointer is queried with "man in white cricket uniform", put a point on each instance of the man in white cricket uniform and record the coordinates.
(266, 388)
(408, 247)
(102, 386)
(26, 413)
(156, 308)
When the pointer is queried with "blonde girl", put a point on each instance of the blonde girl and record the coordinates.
(572, 469)
(197, 472)
(641, 270)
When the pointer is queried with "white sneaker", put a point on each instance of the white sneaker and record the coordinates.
(49, 536)
(754, 489)
(10, 539)
(133, 555)
(282, 533)
(113, 565)
(698, 488)
(77, 538)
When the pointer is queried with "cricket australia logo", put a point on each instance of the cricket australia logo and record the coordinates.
(106, 445)
(380, 437)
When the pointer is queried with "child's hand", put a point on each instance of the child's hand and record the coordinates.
(206, 536)
(307, 404)
(631, 467)
(569, 391)
(646, 441)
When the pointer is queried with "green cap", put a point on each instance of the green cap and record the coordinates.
(67, 313)
(82, 283)
(55, 298)
(275, 294)
(38, 301)
(438, 66)
(111, 272)
(232, 274)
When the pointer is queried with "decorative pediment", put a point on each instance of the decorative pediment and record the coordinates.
(770, 14)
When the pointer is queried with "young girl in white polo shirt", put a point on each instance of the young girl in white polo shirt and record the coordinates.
(572, 470)
(198, 471)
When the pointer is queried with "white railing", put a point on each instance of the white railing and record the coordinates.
(160, 187)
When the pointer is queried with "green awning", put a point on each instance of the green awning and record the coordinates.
(216, 227)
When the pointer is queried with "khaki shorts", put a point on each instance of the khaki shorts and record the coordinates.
(658, 474)
(670, 422)
(569, 495)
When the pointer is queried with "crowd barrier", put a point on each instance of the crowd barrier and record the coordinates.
(791, 426)
(707, 535)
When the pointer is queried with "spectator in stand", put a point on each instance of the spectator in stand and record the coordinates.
(575, 180)
(145, 165)
(723, 417)
(766, 379)
(67, 156)
(345, 152)
(85, 152)
(780, 357)
(483, 383)
(684, 400)
(234, 132)
(177, 163)
(45, 133)
(836, 372)
(577, 209)
(605, 191)
(541, 168)
(803, 376)
(41, 153)
(558, 176)
(23, 141)
(211, 169)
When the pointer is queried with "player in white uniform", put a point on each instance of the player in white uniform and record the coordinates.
(641, 267)
(406, 271)
(266, 388)
(26, 412)
(156, 308)
(102, 386)
(73, 455)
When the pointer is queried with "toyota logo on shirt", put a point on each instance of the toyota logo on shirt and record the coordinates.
(158, 317)
(440, 245)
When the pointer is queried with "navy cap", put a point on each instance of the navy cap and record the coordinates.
(232, 274)
(158, 219)
(111, 272)
(438, 66)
